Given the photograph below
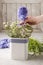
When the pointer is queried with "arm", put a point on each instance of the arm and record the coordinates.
(39, 18)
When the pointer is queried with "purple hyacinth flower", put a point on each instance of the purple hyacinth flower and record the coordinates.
(4, 43)
(22, 13)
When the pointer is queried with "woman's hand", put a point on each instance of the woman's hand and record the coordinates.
(32, 20)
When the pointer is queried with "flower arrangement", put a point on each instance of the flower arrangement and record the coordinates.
(24, 31)
(18, 31)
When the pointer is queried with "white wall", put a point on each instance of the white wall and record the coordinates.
(35, 8)
(1, 15)
(23, 1)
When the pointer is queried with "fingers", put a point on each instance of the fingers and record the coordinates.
(31, 20)
(31, 23)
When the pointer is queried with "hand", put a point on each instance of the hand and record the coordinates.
(30, 20)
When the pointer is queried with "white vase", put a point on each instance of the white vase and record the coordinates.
(19, 48)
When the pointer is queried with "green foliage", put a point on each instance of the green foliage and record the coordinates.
(35, 46)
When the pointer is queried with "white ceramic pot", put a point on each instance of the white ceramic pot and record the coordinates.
(19, 48)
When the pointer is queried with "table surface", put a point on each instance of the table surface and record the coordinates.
(5, 54)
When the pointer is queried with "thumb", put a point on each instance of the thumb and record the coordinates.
(22, 23)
